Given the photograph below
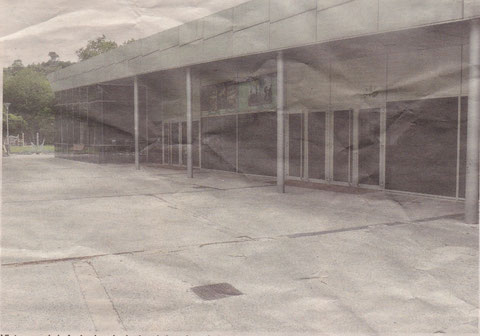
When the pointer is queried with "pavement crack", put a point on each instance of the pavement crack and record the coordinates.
(101, 196)
(108, 295)
(224, 243)
(372, 226)
(83, 296)
(237, 256)
(311, 278)
(79, 258)
(100, 306)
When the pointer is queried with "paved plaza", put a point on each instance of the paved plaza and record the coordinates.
(89, 247)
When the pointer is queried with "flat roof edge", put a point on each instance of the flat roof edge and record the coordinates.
(258, 27)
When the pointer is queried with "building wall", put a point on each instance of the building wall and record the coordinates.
(95, 123)
(414, 96)
(394, 118)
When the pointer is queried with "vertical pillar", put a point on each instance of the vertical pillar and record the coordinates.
(163, 142)
(305, 146)
(8, 135)
(146, 124)
(383, 142)
(280, 123)
(327, 146)
(236, 143)
(180, 144)
(135, 117)
(355, 140)
(2, 107)
(472, 180)
(189, 124)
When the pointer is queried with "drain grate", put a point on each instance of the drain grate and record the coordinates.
(216, 291)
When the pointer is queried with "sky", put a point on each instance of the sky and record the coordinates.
(30, 29)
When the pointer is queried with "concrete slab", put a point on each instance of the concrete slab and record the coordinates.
(36, 298)
(189, 53)
(191, 31)
(218, 47)
(290, 26)
(166, 59)
(160, 41)
(324, 4)
(253, 39)
(308, 292)
(251, 13)
(100, 307)
(280, 9)
(353, 18)
(293, 31)
(79, 236)
(218, 23)
(395, 14)
(471, 8)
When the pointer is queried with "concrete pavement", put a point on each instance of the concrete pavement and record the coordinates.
(106, 248)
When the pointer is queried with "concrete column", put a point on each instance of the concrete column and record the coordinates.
(189, 124)
(355, 143)
(135, 117)
(472, 180)
(280, 124)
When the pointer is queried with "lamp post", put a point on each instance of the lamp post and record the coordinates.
(7, 105)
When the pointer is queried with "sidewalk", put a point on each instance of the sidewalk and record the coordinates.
(90, 247)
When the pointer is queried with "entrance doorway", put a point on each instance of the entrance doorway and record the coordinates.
(339, 147)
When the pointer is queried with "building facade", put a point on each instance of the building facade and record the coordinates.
(379, 94)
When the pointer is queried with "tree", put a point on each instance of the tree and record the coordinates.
(16, 123)
(16, 66)
(52, 65)
(95, 47)
(53, 57)
(32, 99)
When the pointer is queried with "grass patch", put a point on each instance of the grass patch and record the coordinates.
(30, 149)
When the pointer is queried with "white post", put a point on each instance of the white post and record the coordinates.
(280, 124)
(472, 179)
(189, 124)
(8, 134)
(135, 117)
(355, 140)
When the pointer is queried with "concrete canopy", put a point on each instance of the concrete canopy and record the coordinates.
(261, 26)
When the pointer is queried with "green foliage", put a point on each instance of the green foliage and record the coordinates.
(53, 56)
(28, 90)
(95, 47)
(53, 64)
(32, 100)
(31, 97)
(16, 66)
(16, 123)
(28, 149)
(30, 94)
(50, 66)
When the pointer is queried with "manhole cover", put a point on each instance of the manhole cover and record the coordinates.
(216, 291)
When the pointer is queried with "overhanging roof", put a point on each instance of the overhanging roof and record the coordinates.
(260, 26)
